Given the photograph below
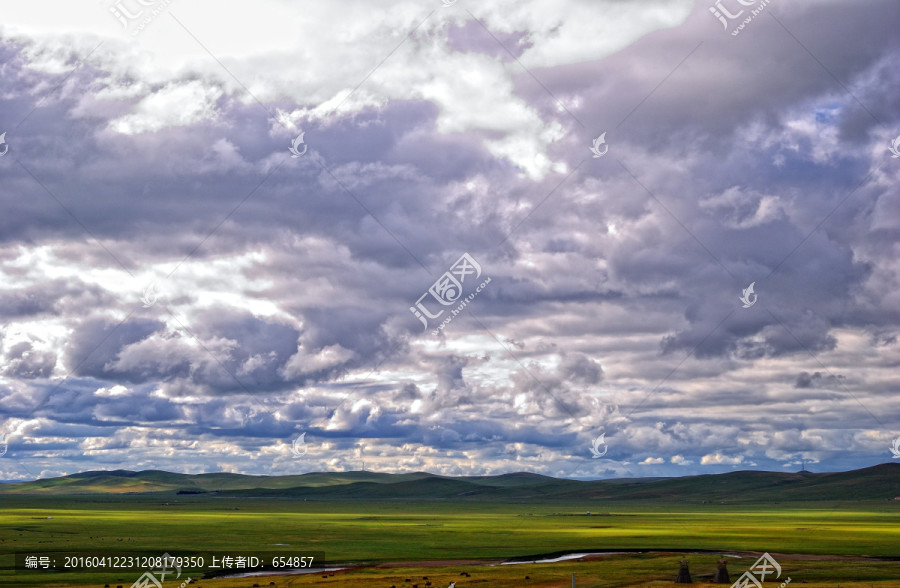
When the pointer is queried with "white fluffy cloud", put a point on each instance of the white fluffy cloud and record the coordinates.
(719, 459)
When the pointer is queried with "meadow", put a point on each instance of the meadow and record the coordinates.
(827, 543)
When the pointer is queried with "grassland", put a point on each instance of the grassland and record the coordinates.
(845, 542)
(377, 533)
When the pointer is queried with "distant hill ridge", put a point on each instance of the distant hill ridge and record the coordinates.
(881, 482)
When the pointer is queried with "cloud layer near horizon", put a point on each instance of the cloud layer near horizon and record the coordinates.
(180, 293)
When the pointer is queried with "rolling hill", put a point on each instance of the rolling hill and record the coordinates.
(880, 482)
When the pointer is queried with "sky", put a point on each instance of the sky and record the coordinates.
(583, 238)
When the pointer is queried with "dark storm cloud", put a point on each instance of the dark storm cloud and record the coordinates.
(724, 103)
(175, 185)
(817, 380)
(97, 342)
(730, 81)
(52, 297)
(23, 303)
(86, 402)
(581, 369)
(409, 391)
(24, 361)
(139, 408)
(260, 347)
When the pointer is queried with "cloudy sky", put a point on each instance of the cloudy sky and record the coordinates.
(443, 275)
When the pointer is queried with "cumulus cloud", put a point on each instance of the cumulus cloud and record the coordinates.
(719, 459)
(283, 286)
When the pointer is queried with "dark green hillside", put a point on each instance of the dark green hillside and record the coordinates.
(119, 481)
(880, 482)
(509, 480)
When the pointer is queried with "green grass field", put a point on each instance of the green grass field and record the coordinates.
(371, 533)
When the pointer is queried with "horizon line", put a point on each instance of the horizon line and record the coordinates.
(369, 471)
